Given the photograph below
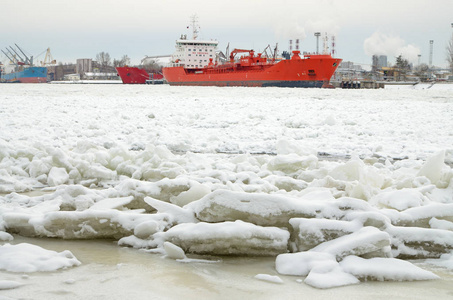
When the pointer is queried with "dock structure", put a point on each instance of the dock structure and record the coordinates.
(359, 84)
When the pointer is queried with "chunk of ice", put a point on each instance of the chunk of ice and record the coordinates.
(228, 238)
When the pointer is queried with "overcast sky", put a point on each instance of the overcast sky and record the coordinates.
(83, 28)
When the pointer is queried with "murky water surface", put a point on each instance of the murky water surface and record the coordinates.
(112, 272)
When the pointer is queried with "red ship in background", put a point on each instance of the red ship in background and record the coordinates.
(149, 71)
(135, 75)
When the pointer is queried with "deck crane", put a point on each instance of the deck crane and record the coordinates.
(28, 61)
(18, 62)
(235, 51)
(16, 58)
(12, 60)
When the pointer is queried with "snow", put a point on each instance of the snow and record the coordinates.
(385, 269)
(26, 258)
(174, 251)
(340, 186)
(301, 263)
(9, 284)
(329, 276)
(361, 242)
(227, 238)
(4, 236)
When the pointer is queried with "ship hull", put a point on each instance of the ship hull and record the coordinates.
(134, 75)
(28, 75)
(308, 72)
(250, 83)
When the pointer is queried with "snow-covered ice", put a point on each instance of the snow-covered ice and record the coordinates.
(26, 258)
(340, 186)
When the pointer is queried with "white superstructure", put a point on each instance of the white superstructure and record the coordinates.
(194, 54)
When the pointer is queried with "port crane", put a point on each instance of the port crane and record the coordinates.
(48, 59)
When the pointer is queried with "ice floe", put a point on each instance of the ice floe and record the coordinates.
(333, 198)
(26, 258)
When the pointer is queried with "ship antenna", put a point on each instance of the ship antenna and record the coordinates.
(333, 46)
(194, 27)
(275, 52)
(325, 44)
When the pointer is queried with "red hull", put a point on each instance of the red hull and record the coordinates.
(134, 75)
(309, 71)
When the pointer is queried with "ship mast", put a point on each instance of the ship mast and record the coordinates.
(194, 27)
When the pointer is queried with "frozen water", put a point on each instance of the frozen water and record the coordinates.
(9, 284)
(184, 171)
(270, 278)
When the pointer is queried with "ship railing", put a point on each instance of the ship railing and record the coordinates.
(175, 65)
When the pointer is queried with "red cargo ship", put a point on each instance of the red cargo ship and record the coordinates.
(313, 70)
(134, 75)
(198, 62)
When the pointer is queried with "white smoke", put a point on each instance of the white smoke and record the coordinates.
(290, 30)
(325, 26)
(392, 46)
